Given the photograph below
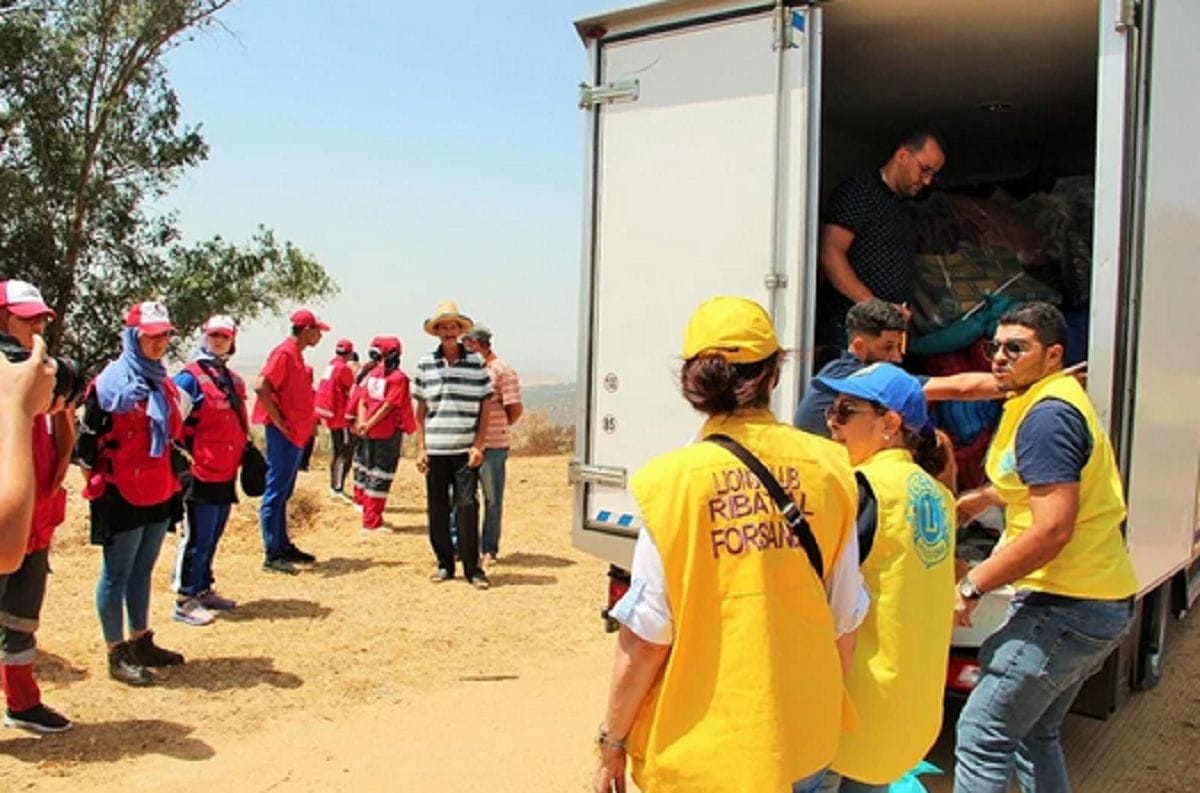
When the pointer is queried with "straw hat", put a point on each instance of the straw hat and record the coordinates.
(448, 311)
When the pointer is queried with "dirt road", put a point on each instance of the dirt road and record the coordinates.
(361, 675)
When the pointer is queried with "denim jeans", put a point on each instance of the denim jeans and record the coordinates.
(810, 784)
(128, 563)
(283, 461)
(1030, 671)
(197, 546)
(491, 480)
(836, 783)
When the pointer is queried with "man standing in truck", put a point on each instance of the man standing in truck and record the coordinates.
(868, 242)
(1052, 468)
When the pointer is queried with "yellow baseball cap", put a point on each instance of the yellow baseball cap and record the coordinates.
(736, 328)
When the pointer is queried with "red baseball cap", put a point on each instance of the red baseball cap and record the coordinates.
(390, 344)
(222, 324)
(150, 317)
(24, 300)
(306, 319)
(344, 347)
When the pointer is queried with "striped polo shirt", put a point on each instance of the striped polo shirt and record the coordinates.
(453, 395)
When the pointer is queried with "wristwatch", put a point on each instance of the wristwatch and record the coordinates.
(967, 589)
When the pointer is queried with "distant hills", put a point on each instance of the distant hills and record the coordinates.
(557, 401)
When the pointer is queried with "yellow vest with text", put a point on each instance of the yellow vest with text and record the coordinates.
(1095, 563)
(897, 680)
(750, 698)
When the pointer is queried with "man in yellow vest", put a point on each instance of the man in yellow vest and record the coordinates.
(1051, 467)
(727, 677)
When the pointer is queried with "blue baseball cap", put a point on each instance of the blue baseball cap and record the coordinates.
(887, 385)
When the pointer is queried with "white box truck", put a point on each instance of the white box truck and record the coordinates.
(715, 127)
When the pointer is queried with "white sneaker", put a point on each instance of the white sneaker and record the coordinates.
(192, 612)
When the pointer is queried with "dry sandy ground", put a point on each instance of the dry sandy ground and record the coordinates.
(361, 675)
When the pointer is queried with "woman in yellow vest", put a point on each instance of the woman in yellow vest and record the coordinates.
(906, 532)
(727, 677)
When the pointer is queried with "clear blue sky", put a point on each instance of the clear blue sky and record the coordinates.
(421, 151)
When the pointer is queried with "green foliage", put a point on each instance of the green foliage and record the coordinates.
(90, 133)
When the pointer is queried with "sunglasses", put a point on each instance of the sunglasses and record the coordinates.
(840, 412)
(1012, 348)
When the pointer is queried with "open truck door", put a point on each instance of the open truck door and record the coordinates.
(699, 172)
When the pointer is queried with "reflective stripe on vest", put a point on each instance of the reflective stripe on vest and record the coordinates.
(751, 695)
(1094, 563)
(898, 676)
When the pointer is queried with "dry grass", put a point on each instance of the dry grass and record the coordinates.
(363, 626)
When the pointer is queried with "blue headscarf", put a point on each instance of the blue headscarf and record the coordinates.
(131, 379)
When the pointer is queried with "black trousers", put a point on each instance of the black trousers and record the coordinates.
(21, 594)
(451, 484)
(344, 442)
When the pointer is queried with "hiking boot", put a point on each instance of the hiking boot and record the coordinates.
(480, 581)
(192, 612)
(293, 554)
(440, 575)
(214, 602)
(122, 667)
(144, 651)
(39, 718)
(280, 565)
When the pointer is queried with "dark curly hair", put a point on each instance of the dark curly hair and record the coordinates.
(713, 385)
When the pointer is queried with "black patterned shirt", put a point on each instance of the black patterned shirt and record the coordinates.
(883, 254)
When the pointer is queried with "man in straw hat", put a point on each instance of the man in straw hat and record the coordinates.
(450, 387)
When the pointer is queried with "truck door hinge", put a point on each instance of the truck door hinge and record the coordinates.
(579, 472)
(1127, 14)
(775, 281)
(607, 94)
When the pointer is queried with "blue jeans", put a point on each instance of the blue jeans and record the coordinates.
(128, 562)
(197, 546)
(810, 784)
(491, 479)
(283, 461)
(836, 783)
(1030, 671)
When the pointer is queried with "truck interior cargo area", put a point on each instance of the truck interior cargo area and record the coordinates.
(1014, 97)
(1011, 88)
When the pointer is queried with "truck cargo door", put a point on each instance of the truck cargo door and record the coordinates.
(698, 168)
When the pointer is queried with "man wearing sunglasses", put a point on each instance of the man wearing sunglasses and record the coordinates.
(868, 242)
(1052, 468)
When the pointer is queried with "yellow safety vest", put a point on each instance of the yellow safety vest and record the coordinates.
(1095, 563)
(897, 681)
(751, 697)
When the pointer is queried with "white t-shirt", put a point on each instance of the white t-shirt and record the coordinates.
(645, 611)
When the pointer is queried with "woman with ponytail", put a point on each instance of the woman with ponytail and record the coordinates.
(906, 527)
(384, 415)
(215, 433)
(739, 619)
(132, 416)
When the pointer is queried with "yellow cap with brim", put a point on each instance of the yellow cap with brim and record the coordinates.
(735, 328)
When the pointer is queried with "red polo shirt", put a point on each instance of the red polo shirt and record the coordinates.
(291, 382)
